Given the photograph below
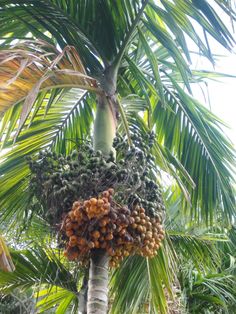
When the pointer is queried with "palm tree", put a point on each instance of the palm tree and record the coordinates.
(64, 61)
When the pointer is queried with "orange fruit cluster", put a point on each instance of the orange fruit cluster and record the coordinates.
(101, 223)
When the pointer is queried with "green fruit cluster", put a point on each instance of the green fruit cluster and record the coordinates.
(57, 181)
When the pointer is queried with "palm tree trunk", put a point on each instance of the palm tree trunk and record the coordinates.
(83, 295)
(98, 283)
(104, 133)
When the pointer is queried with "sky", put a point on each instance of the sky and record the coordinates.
(222, 93)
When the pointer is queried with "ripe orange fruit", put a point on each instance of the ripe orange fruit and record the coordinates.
(103, 230)
(100, 202)
(69, 233)
(97, 244)
(106, 206)
(87, 203)
(75, 205)
(111, 191)
(82, 241)
(73, 238)
(109, 236)
(69, 226)
(96, 234)
(93, 201)
(65, 253)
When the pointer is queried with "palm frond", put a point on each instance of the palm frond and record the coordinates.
(210, 162)
(17, 302)
(6, 263)
(129, 286)
(38, 268)
(141, 285)
(48, 21)
(28, 69)
(193, 135)
(213, 292)
(66, 123)
(78, 23)
(59, 299)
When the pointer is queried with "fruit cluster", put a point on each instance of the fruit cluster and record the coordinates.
(57, 180)
(101, 223)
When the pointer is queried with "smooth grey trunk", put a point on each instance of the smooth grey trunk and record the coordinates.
(98, 283)
(83, 295)
(104, 133)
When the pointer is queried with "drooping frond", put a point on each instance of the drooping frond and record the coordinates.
(142, 285)
(6, 263)
(203, 151)
(79, 23)
(67, 121)
(211, 292)
(43, 271)
(190, 132)
(27, 69)
(36, 266)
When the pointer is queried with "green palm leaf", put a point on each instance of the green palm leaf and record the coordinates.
(65, 121)
(142, 284)
(37, 268)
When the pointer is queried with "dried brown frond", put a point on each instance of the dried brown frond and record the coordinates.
(29, 67)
